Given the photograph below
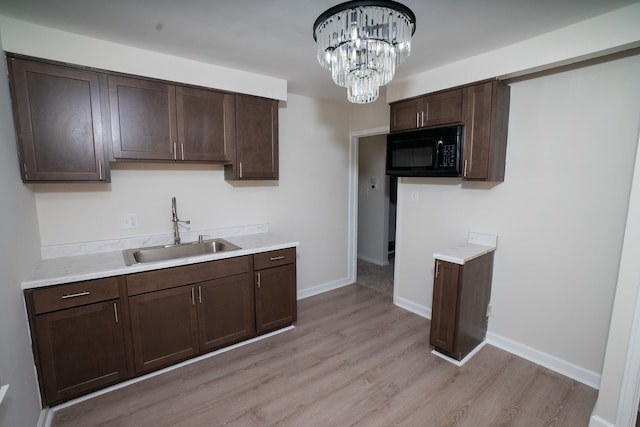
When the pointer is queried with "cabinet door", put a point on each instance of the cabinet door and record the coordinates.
(59, 122)
(444, 306)
(164, 327)
(477, 131)
(405, 115)
(143, 119)
(442, 108)
(275, 297)
(256, 148)
(486, 118)
(205, 124)
(81, 349)
(225, 311)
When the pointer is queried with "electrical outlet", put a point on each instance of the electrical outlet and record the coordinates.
(128, 221)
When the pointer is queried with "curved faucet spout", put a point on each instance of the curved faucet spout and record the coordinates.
(176, 220)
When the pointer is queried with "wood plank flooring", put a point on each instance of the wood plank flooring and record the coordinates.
(354, 359)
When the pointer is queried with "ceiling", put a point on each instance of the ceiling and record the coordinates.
(275, 38)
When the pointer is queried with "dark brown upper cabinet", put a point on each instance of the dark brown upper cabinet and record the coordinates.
(255, 155)
(59, 121)
(205, 124)
(486, 120)
(482, 108)
(152, 120)
(437, 109)
(143, 119)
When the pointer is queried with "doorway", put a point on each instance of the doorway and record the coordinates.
(374, 199)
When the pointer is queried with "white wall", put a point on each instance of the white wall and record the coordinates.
(605, 34)
(19, 249)
(43, 42)
(373, 204)
(559, 215)
(308, 203)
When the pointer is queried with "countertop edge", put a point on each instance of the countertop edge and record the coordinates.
(463, 253)
(79, 268)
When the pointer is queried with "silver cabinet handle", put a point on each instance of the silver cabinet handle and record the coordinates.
(240, 167)
(276, 258)
(466, 165)
(417, 119)
(175, 151)
(258, 279)
(193, 296)
(79, 294)
(200, 294)
(437, 268)
(115, 311)
(182, 150)
(100, 170)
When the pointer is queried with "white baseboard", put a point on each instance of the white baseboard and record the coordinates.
(411, 306)
(373, 261)
(46, 416)
(596, 421)
(590, 378)
(538, 357)
(326, 287)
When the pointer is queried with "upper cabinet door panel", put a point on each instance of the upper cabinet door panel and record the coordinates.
(443, 108)
(486, 120)
(256, 138)
(59, 122)
(204, 128)
(405, 115)
(143, 119)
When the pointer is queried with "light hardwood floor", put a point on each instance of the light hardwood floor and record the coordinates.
(353, 359)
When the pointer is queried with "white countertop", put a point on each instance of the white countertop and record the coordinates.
(477, 245)
(76, 268)
(463, 253)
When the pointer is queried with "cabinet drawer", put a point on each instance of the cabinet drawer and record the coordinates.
(156, 280)
(274, 258)
(74, 294)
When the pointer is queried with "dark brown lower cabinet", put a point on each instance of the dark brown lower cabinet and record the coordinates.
(275, 289)
(81, 350)
(225, 311)
(88, 335)
(461, 295)
(164, 327)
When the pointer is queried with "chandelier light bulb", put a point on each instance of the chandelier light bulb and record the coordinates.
(362, 42)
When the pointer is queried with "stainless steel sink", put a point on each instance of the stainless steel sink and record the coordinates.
(163, 253)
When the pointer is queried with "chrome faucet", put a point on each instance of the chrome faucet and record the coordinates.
(176, 220)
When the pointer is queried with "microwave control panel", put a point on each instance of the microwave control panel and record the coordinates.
(448, 156)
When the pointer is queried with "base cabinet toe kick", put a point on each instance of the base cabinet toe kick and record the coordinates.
(92, 334)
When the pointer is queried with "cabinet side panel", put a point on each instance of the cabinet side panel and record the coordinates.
(499, 130)
(475, 294)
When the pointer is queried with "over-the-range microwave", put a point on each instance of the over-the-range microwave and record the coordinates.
(426, 152)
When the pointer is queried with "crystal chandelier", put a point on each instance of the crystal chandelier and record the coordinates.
(362, 42)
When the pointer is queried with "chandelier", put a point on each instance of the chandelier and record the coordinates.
(362, 42)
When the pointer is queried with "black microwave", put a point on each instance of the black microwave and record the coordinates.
(426, 152)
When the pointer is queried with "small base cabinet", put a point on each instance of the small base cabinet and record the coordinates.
(461, 295)
(78, 336)
(275, 289)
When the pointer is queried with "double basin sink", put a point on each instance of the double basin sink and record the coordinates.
(167, 252)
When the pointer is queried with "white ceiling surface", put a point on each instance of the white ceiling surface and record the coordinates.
(275, 37)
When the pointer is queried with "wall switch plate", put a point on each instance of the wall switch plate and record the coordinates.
(128, 221)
